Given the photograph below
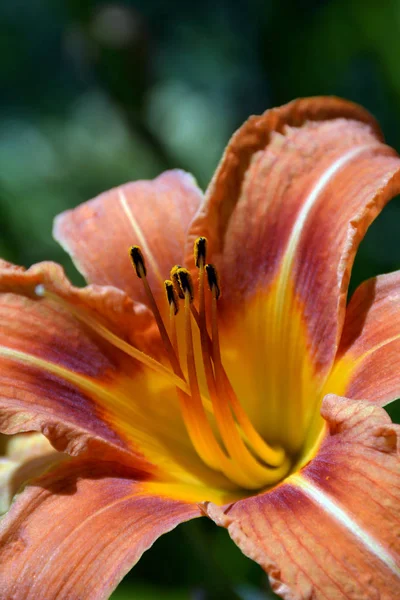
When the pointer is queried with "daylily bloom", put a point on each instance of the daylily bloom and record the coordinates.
(243, 388)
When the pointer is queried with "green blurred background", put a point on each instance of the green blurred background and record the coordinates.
(93, 94)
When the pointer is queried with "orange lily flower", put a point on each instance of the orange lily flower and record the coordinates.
(254, 398)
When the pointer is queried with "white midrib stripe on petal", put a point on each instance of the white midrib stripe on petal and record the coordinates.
(335, 511)
(140, 235)
(312, 198)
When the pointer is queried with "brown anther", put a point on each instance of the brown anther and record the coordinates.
(200, 251)
(172, 296)
(185, 282)
(213, 280)
(138, 261)
(175, 280)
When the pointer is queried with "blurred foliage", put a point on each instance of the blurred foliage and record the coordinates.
(95, 93)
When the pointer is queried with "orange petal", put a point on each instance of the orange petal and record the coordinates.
(292, 198)
(367, 364)
(152, 214)
(89, 524)
(107, 304)
(54, 370)
(331, 531)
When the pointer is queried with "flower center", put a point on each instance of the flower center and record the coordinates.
(229, 443)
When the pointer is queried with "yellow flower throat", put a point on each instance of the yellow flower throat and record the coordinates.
(233, 446)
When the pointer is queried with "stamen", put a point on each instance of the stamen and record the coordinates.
(192, 408)
(185, 283)
(200, 251)
(190, 417)
(213, 280)
(173, 311)
(196, 430)
(197, 406)
(239, 452)
(138, 261)
(172, 328)
(193, 413)
(208, 449)
(270, 455)
(174, 278)
(172, 296)
(273, 456)
(140, 267)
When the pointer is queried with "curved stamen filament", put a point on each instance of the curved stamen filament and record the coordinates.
(173, 311)
(209, 447)
(271, 455)
(195, 423)
(195, 419)
(193, 413)
(224, 417)
(138, 261)
(193, 426)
